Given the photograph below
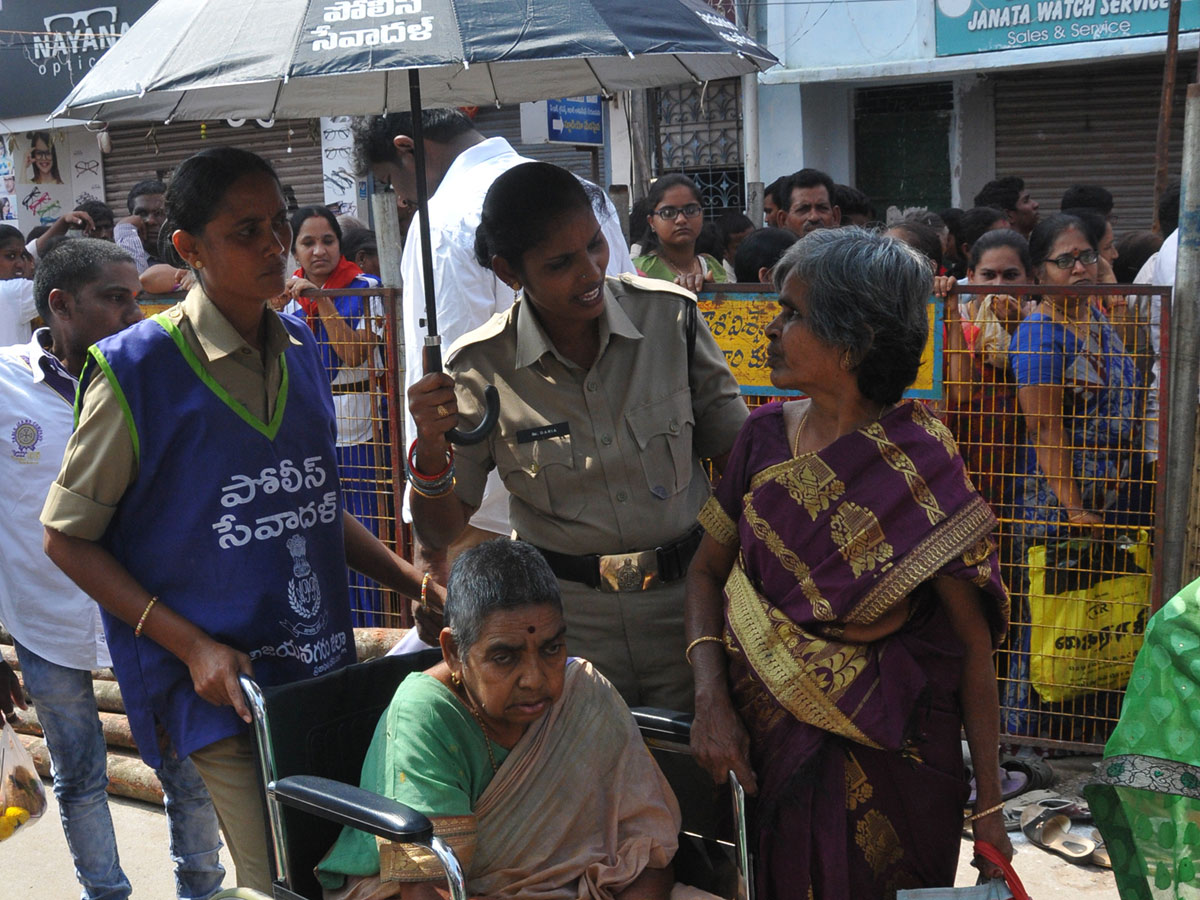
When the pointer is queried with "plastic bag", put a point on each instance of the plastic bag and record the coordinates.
(1088, 604)
(1007, 888)
(22, 795)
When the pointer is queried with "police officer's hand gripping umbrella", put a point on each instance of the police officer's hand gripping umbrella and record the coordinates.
(214, 59)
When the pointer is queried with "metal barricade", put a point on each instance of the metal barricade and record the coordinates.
(367, 387)
(1060, 424)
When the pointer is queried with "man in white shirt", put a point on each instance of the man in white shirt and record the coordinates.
(85, 290)
(460, 166)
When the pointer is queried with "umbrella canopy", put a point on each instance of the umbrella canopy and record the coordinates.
(192, 60)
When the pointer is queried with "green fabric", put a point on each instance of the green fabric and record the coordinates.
(654, 267)
(1146, 800)
(267, 429)
(429, 753)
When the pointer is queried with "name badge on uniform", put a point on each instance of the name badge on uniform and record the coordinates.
(529, 435)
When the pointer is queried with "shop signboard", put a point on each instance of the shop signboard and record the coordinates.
(49, 45)
(978, 26)
(738, 316)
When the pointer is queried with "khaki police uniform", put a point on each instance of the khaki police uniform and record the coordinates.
(605, 461)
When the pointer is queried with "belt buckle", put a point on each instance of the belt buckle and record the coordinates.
(627, 572)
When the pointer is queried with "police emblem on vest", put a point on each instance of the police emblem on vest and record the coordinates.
(304, 590)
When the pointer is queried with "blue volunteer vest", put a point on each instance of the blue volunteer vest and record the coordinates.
(233, 523)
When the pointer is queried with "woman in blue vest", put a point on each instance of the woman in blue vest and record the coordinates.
(199, 500)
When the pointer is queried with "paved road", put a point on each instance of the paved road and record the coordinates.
(37, 864)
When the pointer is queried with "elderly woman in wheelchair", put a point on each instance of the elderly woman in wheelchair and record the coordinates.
(528, 763)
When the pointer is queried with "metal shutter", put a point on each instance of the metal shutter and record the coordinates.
(1065, 126)
(138, 153)
(506, 123)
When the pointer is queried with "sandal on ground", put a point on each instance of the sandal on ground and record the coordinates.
(1047, 800)
(1036, 770)
(1051, 831)
(1100, 855)
(1012, 784)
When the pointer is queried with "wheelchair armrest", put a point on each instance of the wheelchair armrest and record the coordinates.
(350, 805)
(663, 724)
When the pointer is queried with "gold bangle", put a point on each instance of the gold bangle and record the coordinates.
(687, 654)
(424, 588)
(987, 812)
(447, 492)
(137, 632)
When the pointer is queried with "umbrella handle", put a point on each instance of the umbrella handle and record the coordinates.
(491, 413)
(432, 362)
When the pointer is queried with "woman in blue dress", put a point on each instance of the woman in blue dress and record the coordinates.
(1081, 469)
(349, 332)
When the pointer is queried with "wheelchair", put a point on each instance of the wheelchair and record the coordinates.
(311, 738)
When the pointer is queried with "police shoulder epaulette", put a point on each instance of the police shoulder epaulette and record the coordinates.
(643, 283)
(486, 331)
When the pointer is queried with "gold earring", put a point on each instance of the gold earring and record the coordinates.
(198, 264)
(516, 289)
(456, 679)
(846, 361)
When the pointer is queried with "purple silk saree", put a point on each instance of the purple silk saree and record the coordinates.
(856, 746)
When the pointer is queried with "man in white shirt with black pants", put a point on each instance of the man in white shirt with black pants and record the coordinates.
(85, 290)
(460, 166)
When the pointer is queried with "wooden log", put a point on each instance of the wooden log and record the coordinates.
(372, 643)
(114, 725)
(108, 696)
(128, 776)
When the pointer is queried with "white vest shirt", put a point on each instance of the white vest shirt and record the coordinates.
(39, 605)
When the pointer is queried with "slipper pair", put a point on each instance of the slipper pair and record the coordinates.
(1050, 829)
(1047, 800)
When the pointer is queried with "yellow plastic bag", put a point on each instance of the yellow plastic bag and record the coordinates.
(22, 795)
(1088, 605)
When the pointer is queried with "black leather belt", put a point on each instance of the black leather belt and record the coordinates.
(619, 572)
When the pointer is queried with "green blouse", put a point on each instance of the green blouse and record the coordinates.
(429, 753)
(655, 267)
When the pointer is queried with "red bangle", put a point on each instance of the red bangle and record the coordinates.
(421, 476)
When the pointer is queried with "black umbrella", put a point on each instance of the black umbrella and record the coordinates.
(213, 59)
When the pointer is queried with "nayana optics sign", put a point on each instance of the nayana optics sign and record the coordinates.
(48, 45)
(977, 26)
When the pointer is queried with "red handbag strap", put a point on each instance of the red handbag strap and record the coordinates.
(994, 856)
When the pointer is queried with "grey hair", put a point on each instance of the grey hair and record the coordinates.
(495, 576)
(867, 296)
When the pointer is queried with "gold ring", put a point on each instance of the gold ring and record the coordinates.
(442, 411)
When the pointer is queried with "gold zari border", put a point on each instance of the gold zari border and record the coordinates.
(788, 680)
(412, 862)
(719, 526)
(945, 542)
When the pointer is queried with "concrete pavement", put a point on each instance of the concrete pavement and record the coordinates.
(36, 863)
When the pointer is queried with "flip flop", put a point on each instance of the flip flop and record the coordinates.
(1012, 784)
(1051, 831)
(1046, 800)
(1100, 855)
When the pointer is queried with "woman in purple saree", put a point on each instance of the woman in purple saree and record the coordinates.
(845, 601)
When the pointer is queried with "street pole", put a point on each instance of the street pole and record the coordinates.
(1184, 344)
(1166, 101)
(750, 146)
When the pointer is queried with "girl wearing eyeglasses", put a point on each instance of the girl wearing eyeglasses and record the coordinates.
(42, 159)
(675, 219)
(1081, 470)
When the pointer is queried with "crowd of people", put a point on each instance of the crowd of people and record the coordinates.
(830, 613)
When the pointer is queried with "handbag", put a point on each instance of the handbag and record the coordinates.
(1007, 888)
(1088, 604)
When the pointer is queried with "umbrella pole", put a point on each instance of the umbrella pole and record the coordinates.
(431, 358)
